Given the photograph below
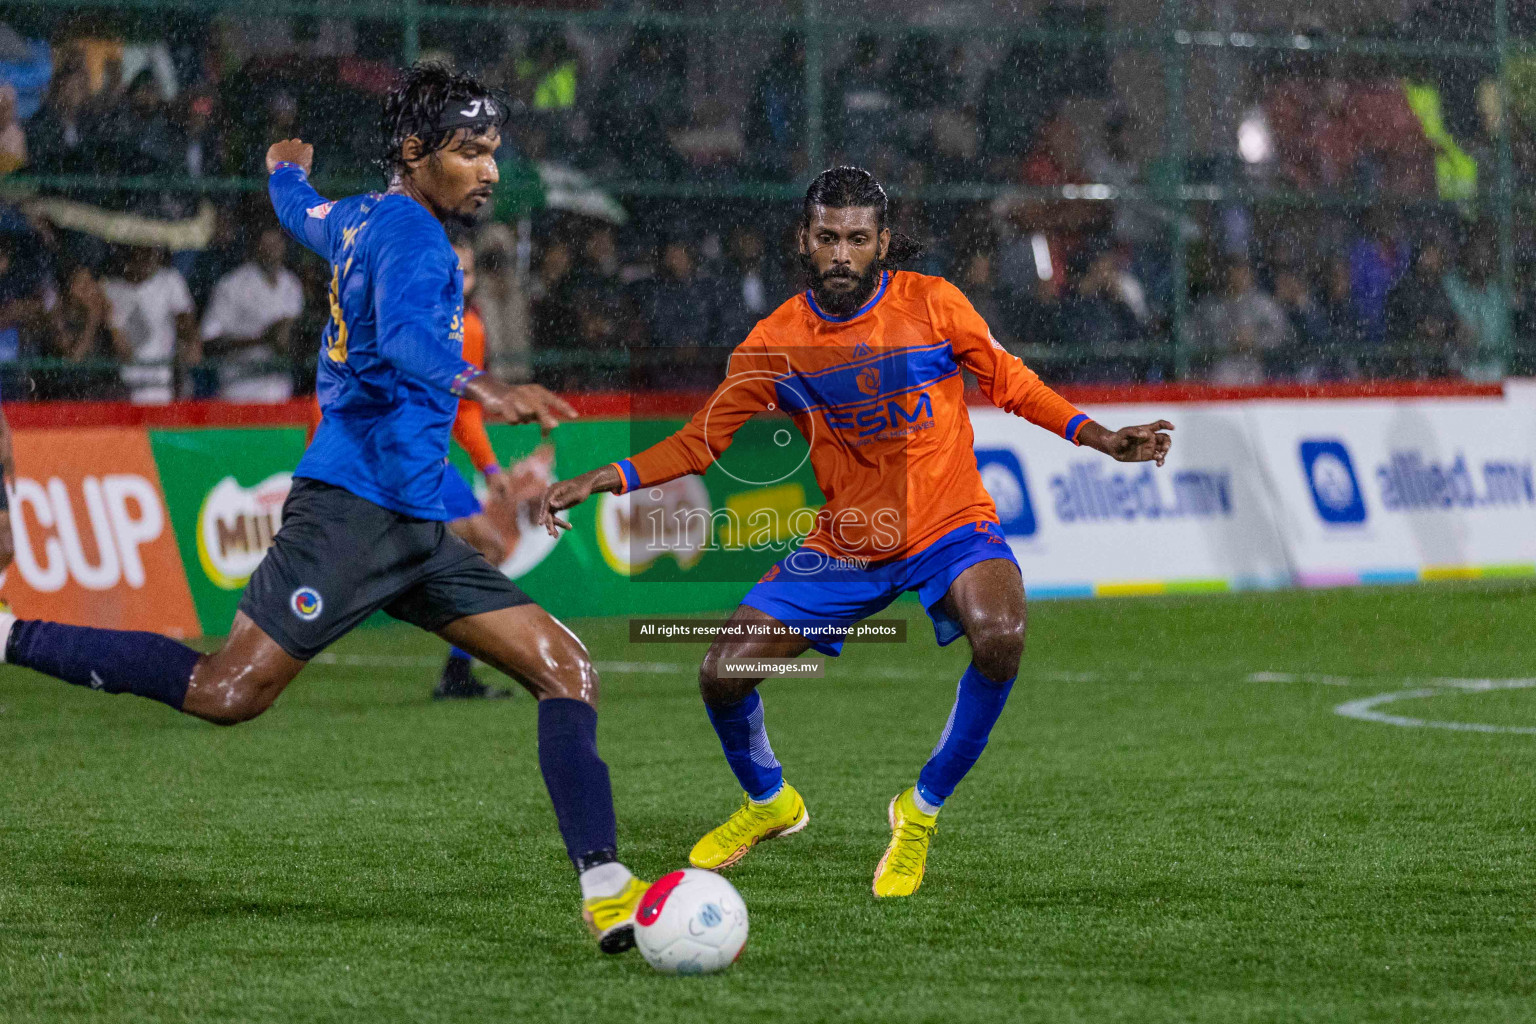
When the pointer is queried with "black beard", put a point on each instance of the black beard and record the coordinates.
(841, 303)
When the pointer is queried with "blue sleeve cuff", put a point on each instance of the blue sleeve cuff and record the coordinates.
(289, 163)
(1073, 426)
(627, 471)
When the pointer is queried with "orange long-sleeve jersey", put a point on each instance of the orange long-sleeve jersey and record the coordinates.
(469, 424)
(878, 395)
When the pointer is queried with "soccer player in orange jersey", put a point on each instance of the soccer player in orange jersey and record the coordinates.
(867, 362)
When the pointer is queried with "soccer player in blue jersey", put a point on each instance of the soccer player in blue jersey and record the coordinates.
(364, 526)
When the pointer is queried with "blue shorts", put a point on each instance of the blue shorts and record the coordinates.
(458, 497)
(807, 588)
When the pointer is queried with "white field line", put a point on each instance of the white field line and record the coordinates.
(1364, 709)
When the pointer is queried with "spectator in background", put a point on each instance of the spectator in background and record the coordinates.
(977, 280)
(152, 327)
(775, 126)
(1421, 322)
(679, 312)
(1308, 355)
(80, 316)
(1105, 310)
(1013, 106)
(862, 108)
(138, 137)
(13, 141)
(1239, 328)
(554, 318)
(200, 148)
(749, 290)
(248, 324)
(22, 299)
(641, 103)
(61, 133)
(1482, 309)
(78, 335)
(1338, 309)
(1377, 259)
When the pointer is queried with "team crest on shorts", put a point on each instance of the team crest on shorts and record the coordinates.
(306, 603)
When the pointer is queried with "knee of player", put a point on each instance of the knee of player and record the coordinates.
(997, 644)
(238, 703)
(571, 676)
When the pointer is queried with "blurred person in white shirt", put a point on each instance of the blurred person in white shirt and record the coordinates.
(249, 321)
(151, 323)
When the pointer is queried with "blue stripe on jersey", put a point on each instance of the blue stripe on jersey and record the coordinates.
(868, 381)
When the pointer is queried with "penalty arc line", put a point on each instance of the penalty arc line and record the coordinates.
(1364, 709)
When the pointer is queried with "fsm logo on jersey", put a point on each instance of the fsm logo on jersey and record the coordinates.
(1331, 478)
(1003, 477)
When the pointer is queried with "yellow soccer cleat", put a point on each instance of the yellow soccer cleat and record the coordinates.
(900, 871)
(751, 824)
(611, 919)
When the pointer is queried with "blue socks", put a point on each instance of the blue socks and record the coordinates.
(577, 780)
(110, 660)
(458, 654)
(978, 702)
(745, 742)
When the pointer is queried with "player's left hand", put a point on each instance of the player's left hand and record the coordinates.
(520, 403)
(1145, 443)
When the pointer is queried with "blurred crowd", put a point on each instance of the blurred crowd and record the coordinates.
(153, 279)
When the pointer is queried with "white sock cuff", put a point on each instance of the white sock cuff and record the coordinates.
(604, 880)
(7, 620)
(924, 805)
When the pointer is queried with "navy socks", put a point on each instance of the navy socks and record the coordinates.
(456, 654)
(110, 660)
(577, 780)
(978, 703)
(745, 742)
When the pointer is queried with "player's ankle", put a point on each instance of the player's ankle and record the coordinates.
(604, 880)
(929, 803)
(770, 797)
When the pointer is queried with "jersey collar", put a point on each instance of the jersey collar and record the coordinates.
(885, 282)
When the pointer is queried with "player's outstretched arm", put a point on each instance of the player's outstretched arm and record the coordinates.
(570, 493)
(1146, 443)
(293, 198)
(519, 403)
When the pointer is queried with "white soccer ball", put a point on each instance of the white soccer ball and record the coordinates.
(691, 922)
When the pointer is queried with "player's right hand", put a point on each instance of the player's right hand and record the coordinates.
(570, 493)
(290, 151)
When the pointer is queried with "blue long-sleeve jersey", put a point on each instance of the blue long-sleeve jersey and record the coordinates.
(391, 357)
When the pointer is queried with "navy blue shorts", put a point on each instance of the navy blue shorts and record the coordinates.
(458, 497)
(338, 558)
(808, 588)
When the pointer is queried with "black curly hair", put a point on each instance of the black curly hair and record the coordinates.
(842, 187)
(417, 106)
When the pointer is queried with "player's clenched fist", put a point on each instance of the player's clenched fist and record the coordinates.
(290, 151)
(520, 403)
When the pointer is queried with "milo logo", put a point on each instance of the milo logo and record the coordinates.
(674, 518)
(236, 525)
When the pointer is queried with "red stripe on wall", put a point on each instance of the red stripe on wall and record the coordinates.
(620, 404)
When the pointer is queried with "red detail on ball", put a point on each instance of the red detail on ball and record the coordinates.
(656, 897)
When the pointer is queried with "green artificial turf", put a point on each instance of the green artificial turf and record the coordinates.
(1154, 834)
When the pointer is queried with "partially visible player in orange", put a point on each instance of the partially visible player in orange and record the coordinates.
(868, 363)
(469, 520)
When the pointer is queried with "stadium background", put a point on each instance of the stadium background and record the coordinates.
(1307, 804)
(1149, 203)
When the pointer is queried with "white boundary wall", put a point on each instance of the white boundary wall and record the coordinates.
(1271, 493)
